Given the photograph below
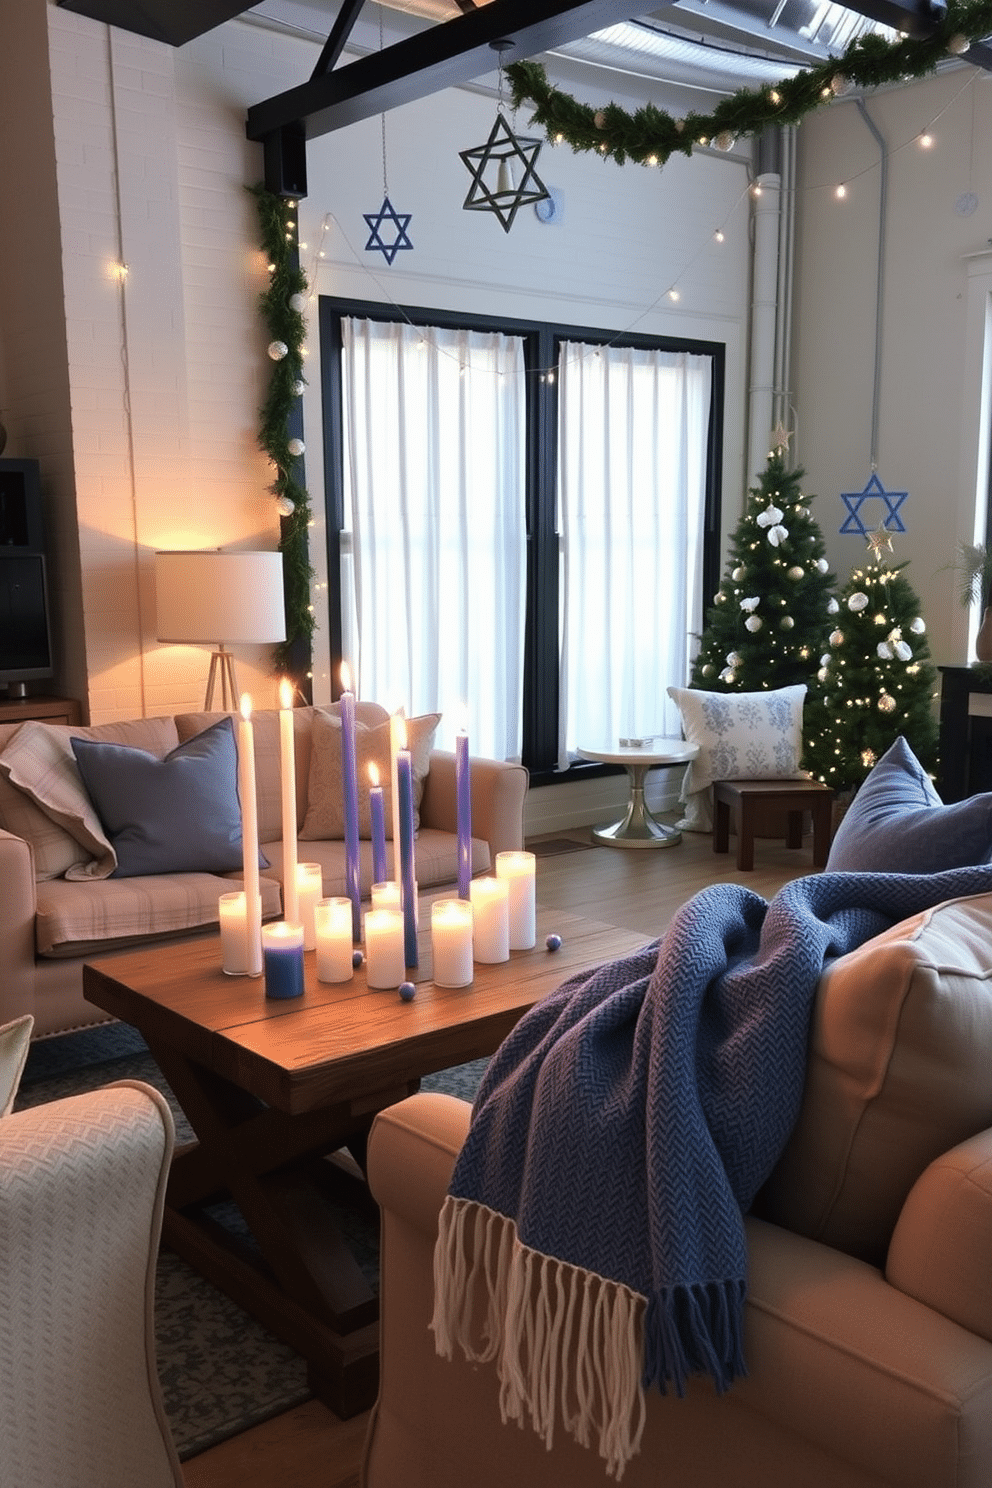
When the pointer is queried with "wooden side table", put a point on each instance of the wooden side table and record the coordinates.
(747, 799)
(40, 710)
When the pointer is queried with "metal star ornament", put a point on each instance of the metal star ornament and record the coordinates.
(879, 541)
(502, 151)
(781, 436)
(375, 220)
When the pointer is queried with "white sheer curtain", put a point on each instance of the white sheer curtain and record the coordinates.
(434, 446)
(631, 507)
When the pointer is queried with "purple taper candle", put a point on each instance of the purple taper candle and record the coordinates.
(463, 791)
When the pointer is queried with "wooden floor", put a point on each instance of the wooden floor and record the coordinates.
(639, 889)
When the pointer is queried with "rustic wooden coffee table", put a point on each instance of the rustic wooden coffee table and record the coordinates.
(272, 1088)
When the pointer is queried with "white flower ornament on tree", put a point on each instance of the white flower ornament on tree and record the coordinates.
(751, 603)
(769, 516)
(777, 535)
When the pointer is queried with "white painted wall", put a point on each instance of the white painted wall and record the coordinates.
(934, 309)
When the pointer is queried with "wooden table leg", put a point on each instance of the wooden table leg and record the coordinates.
(745, 834)
(294, 1271)
(721, 825)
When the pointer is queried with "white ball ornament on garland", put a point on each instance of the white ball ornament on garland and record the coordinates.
(734, 659)
(795, 573)
(285, 506)
(298, 389)
(296, 448)
(753, 623)
(958, 45)
(298, 302)
(821, 565)
(729, 676)
(707, 669)
(786, 622)
(857, 602)
(738, 574)
(277, 350)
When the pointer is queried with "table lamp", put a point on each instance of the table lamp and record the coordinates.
(212, 598)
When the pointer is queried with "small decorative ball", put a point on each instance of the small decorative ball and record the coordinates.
(795, 573)
(553, 942)
(918, 626)
(821, 565)
(836, 638)
(958, 44)
(285, 506)
(833, 606)
(296, 447)
(278, 350)
(738, 573)
(753, 623)
(707, 670)
(297, 388)
(720, 598)
(407, 991)
(787, 622)
(679, 126)
(725, 140)
(729, 676)
(839, 84)
(886, 703)
(599, 119)
(357, 957)
(734, 659)
(298, 302)
(857, 602)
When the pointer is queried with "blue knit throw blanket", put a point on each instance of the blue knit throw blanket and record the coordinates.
(619, 1136)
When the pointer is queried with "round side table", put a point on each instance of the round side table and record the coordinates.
(639, 828)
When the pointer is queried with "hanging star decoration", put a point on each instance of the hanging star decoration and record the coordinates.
(375, 220)
(503, 149)
(854, 500)
(879, 541)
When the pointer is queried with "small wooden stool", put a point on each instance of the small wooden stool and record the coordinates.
(749, 800)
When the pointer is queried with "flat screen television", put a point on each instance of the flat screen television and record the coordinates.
(25, 646)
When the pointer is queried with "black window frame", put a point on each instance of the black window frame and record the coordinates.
(542, 341)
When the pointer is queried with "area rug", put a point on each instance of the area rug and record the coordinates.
(221, 1371)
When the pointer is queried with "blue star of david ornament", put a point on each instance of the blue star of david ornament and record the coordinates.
(504, 198)
(854, 500)
(375, 220)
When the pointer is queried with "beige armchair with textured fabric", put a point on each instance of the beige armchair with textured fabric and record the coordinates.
(82, 1183)
(868, 1322)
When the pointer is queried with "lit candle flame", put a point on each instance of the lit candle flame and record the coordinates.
(285, 693)
(401, 731)
(345, 677)
(374, 774)
(245, 706)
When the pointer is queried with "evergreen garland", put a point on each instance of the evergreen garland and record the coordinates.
(649, 136)
(286, 325)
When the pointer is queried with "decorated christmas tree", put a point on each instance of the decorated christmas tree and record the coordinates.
(876, 678)
(768, 625)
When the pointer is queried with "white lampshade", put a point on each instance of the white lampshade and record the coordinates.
(210, 598)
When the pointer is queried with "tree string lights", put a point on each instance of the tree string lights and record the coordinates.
(282, 305)
(650, 136)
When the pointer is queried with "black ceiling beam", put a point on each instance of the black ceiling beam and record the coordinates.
(917, 18)
(172, 21)
(441, 57)
(340, 31)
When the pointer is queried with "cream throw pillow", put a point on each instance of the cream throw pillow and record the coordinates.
(741, 735)
(325, 792)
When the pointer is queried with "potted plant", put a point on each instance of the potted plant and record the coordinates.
(974, 569)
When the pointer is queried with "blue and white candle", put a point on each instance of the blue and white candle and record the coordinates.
(463, 790)
(349, 772)
(404, 793)
(378, 813)
(282, 955)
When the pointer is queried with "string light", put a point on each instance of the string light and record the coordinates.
(840, 192)
(925, 140)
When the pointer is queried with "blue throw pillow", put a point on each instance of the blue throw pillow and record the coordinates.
(897, 823)
(180, 814)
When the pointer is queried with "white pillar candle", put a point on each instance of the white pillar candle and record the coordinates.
(249, 838)
(309, 891)
(490, 902)
(517, 868)
(335, 947)
(451, 942)
(384, 958)
(232, 911)
(386, 895)
(287, 783)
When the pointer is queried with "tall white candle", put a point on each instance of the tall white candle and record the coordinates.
(249, 839)
(287, 778)
(335, 947)
(387, 895)
(451, 942)
(517, 868)
(490, 901)
(349, 771)
(309, 891)
(384, 959)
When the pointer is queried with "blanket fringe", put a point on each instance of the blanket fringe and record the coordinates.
(568, 1345)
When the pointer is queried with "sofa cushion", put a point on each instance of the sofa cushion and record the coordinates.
(741, 735)
(15, 1040)
(180, 814)
(899, 1071)
(268, 762)
(75, 919)
(325, 793)
(43, 800)
(897, 823)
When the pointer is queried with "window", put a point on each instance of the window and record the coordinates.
(523, 520)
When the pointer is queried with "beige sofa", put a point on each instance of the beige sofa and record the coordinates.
(869, 1315)
(51, 925)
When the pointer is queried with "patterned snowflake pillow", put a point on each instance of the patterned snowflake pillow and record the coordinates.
(741, 735)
